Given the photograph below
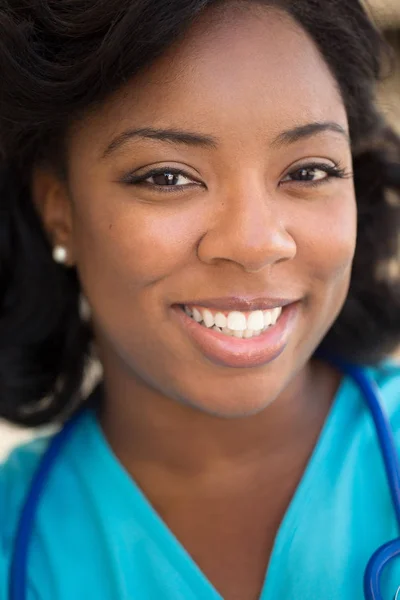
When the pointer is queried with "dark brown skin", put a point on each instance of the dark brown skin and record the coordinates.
(218, 451)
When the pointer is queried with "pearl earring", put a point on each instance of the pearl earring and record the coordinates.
(60, 254)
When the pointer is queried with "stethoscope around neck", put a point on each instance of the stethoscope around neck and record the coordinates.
(18, 573)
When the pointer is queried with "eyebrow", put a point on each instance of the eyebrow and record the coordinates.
(309, 130)
(177, 136)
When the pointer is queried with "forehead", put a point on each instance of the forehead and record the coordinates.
(239, 67)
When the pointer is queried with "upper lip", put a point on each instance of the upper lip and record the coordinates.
(241, 303)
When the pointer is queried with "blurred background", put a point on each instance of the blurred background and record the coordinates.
(386, 13)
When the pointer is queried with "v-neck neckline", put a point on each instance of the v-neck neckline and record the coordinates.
(163, 536)
(288, 526)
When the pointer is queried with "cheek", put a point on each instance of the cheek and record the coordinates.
(326, 243)
(326, 248)
(133, 242)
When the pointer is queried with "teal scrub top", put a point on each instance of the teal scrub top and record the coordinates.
(97, 536)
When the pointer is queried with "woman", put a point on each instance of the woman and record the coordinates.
(215, 183)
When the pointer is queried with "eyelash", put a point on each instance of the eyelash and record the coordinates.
(166, 189)
(332, 171)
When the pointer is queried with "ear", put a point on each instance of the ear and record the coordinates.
(51, 199)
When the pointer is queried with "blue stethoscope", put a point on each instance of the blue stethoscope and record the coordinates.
(375, 567)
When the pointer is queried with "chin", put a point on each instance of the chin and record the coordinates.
(234, 401)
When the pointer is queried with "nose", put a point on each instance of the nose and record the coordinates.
(248, 228)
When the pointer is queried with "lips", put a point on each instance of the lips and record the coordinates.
(240, 351)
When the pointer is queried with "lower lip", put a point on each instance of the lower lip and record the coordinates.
(241, 353)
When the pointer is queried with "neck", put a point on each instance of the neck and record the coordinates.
(155, 434)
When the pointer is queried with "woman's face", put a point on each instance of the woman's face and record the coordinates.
(219, 180)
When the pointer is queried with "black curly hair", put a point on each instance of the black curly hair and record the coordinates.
(61, 58)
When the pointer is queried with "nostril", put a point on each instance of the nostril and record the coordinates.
(250, 234)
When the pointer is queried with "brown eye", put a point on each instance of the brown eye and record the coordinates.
(314, 174)
(168, 178)
(307, 175)
(311, 174)
(164, 179)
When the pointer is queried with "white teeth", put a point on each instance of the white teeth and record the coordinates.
(237, 321)
(238, 334)
(236, 324)
(267, 318)
(197, 315)
(208, 318)
(227, 331)
(276, 313)
(248, 334)
(255, 320)
(220, 320)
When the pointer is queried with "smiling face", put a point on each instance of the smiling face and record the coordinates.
(218, 179)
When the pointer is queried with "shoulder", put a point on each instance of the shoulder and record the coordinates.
(386, 375)
(16, 473)
(387, 379)
(18, 470)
